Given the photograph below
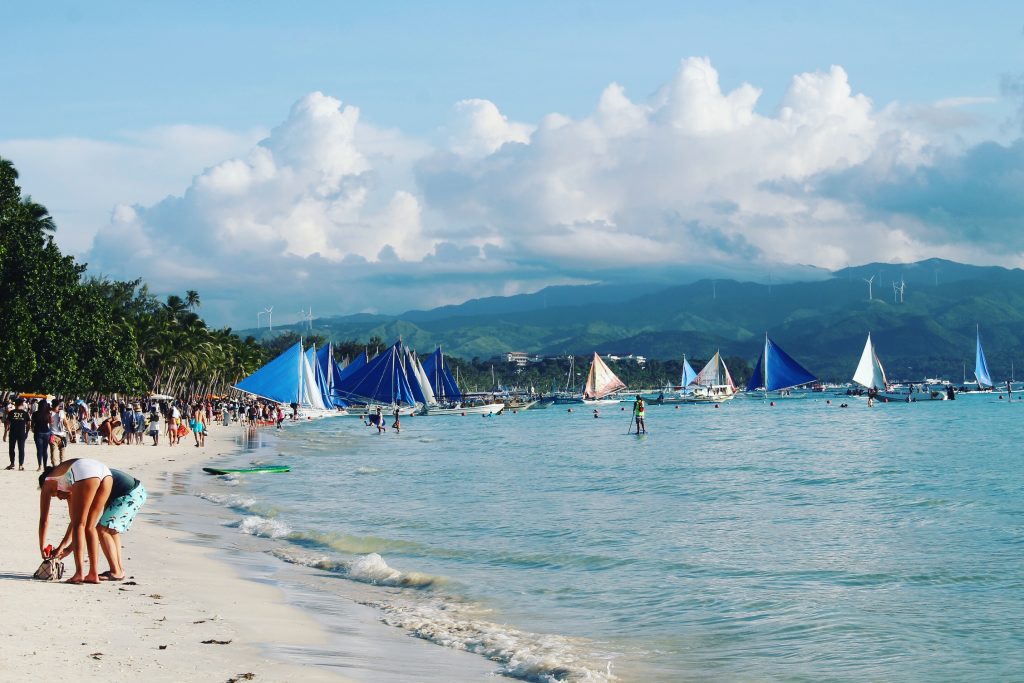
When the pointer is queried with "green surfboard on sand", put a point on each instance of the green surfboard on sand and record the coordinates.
(248, 470)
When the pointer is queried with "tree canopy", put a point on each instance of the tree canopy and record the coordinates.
(68, 333)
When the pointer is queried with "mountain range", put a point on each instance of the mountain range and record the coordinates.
(928, 331)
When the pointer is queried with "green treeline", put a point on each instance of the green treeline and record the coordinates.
(67, 333)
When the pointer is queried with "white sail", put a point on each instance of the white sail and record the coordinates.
(601, 381)
(715, 374)
(420, 376)
(869, 372)
(309, 392)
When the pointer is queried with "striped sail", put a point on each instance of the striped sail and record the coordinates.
(601, 381)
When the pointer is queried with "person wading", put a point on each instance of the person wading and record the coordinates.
(638, 415)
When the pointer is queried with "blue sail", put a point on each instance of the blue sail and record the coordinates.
(381, 380)
(357, 363)
(980, 366)
(331, 373)
(688, 374)
(324, 358)
(776, 370)
(278, 380)
(757, 377)
(440, 378)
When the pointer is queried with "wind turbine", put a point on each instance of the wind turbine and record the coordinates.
(869, 281)
(270, 317)
(903, 286)
(307, 316)
(895, 292)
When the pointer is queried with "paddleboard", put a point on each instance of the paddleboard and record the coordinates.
(247, 470)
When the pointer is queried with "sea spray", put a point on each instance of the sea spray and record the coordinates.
(228, 500)
(254, 525)
(371, 569)
(528, 656)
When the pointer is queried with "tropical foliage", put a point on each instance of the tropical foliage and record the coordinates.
(71, 334)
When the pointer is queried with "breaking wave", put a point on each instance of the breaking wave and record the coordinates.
(371, 569)
(529, 656)
(254, 525)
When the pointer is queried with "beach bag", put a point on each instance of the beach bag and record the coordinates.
(50, 570)
(182, 430)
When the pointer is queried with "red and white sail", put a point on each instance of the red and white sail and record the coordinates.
(601, 381)
(715, 374)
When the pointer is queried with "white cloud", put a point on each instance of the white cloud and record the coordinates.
(480, 129)
(331, 211)
(80, 180)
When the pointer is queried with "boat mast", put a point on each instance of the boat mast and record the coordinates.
(765, 368)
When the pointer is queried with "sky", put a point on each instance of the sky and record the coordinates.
(377, 157)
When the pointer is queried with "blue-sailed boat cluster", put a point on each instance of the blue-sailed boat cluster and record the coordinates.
(396, 379)
(314, 382)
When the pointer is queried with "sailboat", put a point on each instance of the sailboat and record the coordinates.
(601, 383)
(713, 384)
(381, 382)
(289, 379)
(777, 372)
(568, 395)
(670, 395)
(449, 399)
(870, 374)
(981, 375)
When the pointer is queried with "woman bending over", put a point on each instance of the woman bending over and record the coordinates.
(85, 484)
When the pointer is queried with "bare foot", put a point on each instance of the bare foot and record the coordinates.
(92, 578)
(76, 580)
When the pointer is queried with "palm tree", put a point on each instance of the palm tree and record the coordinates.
(192, 300)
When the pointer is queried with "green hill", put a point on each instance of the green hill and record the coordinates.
(822, 324)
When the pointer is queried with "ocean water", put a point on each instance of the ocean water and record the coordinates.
(749, 542)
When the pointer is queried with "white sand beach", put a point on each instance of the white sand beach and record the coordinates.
(152, 626)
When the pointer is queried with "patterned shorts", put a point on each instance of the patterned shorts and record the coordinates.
(120, 512)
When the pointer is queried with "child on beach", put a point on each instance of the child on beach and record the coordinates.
(154, 425)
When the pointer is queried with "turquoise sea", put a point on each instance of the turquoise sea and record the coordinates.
(801, 541)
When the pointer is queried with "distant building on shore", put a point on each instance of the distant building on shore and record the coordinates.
(520, 358)
(640, 360)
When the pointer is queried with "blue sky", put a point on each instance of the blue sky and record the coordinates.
(99, 67)
(472, 123)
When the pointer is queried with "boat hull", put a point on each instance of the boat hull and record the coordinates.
(486, 409)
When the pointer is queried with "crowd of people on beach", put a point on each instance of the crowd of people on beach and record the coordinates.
(56, 423)
(103, 502)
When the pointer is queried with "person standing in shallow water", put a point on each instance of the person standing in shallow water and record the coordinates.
(639, 411)
(397, 424)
